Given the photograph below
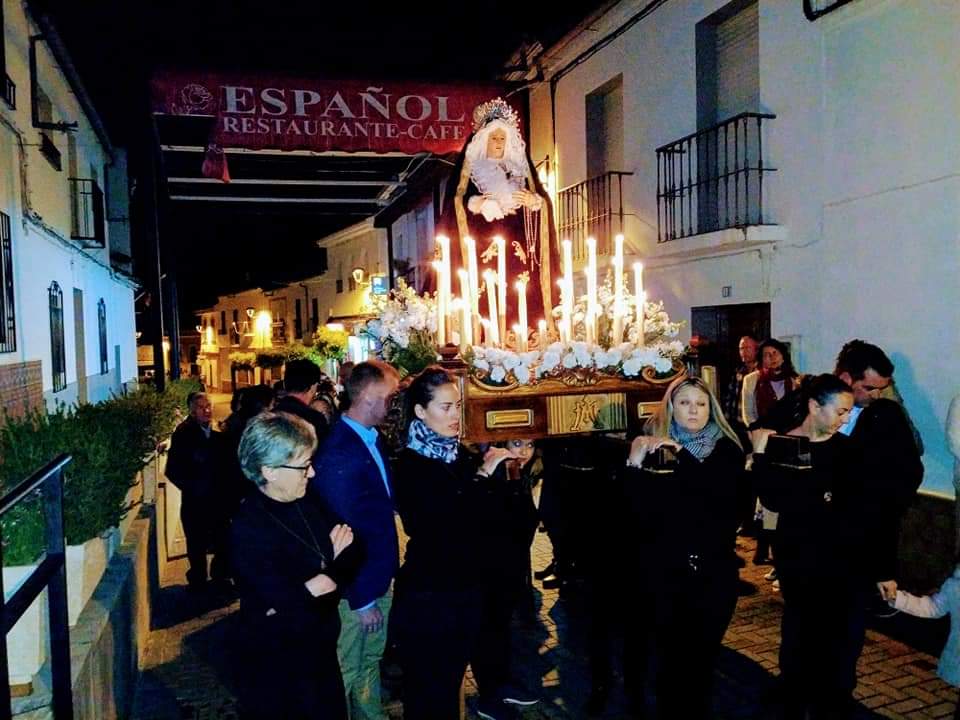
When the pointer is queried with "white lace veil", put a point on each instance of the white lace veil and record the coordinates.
(514, 154)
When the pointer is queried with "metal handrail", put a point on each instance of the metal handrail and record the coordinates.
(714, 128)
(51, 575)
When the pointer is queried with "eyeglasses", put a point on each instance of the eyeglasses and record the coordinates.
(302, 468)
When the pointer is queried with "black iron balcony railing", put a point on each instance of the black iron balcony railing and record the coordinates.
(86, 212)
(279, 334)
(592, 208)
(50, 575)
(712, 179)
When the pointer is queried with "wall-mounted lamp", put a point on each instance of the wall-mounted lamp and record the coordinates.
(251, 312)
(357, 275)
(199, 328)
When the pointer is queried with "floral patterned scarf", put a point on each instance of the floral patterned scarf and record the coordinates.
(424, 441)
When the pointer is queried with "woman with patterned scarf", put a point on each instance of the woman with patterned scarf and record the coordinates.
(447, 501)
(761, 390)
(688, 517)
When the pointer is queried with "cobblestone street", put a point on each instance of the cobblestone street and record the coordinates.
(187, 673)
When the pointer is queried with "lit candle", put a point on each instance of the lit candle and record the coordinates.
(474, 284)
(457, 306)
(617, 292)
(494, 328)
(502, 282)
(447, 276)
(441, 311)
(466, 329)
(639, 298)
(567, 290)
(592, 309)
(542, 327)
(487, 342)
(522, 314)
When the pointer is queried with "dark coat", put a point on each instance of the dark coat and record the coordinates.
(821, 519)
(891, 468)
(688, 518)
(195, 463)
(349, 482)
(445, 509)
(287, 644)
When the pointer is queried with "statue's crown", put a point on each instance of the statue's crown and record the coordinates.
(496, 109)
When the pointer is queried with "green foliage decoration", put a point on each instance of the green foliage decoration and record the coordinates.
(109, 442)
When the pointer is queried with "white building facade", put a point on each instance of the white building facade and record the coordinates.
(857, 231)
(338, 296)
(67, 305)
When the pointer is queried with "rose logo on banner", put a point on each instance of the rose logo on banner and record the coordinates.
(197, 100)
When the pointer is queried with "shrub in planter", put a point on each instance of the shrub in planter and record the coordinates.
(108, 441)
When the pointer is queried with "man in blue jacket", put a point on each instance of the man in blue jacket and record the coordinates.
(353, 479)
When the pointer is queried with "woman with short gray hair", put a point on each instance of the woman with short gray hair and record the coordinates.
(288, 563)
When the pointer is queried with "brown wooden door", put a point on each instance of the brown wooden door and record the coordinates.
(720, 328)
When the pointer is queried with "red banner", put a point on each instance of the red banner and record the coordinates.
(323, 115)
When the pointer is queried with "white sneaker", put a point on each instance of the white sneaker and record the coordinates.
(772, 575)
(776, 586)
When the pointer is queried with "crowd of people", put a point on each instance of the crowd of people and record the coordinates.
(298, 497)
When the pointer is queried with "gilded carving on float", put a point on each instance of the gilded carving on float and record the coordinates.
(593, 412)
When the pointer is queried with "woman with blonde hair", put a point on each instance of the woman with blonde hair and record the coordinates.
(688, 511)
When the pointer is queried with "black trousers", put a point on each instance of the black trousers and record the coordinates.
(204, 528)
(491, 657)
(693, 610)
(822, 635)
(436, 634)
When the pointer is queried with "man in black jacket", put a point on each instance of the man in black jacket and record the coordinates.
(301, 379)
(889, 455)
(194, 465)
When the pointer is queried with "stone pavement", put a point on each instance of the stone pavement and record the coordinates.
(187, 671)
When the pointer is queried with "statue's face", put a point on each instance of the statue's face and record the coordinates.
(496, 143)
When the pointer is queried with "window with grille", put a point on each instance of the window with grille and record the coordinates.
(223, 322)
(102, 325)
(58, 353)
(8, 325)
(297, 320)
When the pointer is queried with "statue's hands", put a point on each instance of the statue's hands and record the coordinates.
(527, 199)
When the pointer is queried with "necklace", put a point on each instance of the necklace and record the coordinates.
(313, 545)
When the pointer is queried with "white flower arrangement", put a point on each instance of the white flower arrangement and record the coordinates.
(404, 328)
(501, 366)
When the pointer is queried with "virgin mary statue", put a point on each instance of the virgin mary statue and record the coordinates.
(495, 192)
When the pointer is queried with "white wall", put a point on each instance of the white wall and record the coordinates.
(37, 199)
(867, 146)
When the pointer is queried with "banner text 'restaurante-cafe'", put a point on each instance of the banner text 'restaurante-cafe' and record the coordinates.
(324, 115)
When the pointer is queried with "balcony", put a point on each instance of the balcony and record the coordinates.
(86, 213)
(279, 333)
(712, 179)
(592, 208)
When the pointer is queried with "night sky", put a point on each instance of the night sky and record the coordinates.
(116, 44)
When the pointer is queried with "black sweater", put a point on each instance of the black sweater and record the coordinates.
(445, 510)
(689, 517)
(821, 524)
(273, 556)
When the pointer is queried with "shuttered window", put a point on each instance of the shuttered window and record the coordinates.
(738, 63)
